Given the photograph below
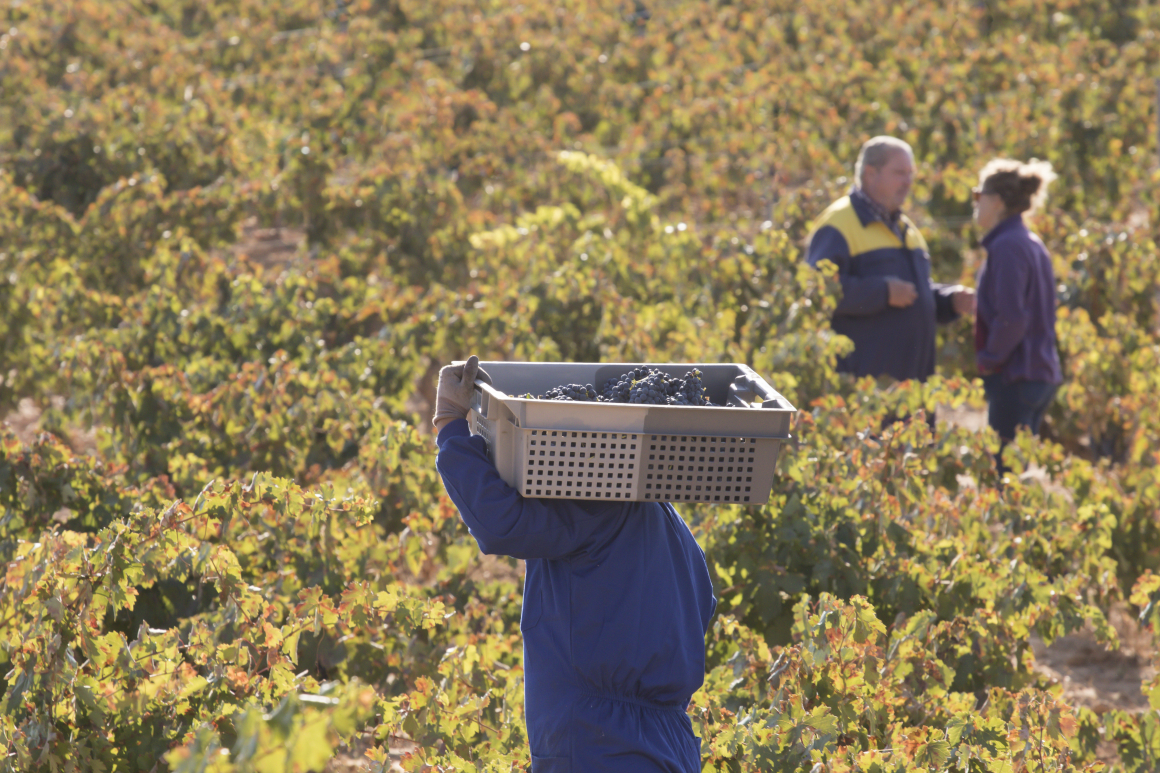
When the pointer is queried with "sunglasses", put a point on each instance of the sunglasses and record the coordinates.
(978, 193)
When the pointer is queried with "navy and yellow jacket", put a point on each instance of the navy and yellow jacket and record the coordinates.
(887, 340)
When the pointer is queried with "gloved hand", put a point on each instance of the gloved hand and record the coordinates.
(453, 396)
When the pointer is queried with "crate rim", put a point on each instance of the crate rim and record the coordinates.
(788, 406)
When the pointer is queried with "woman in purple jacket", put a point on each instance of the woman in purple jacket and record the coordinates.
(1015, 321)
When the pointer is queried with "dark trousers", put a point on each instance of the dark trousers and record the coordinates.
(1016, 404)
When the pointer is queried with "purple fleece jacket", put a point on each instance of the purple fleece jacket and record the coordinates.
(1015, 322)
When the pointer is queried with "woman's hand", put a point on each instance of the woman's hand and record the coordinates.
(901, 293)
(963, 301)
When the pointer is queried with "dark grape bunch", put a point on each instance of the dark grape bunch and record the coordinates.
(690, 390)
(577, 392)
(639, 386)
(617, 390)
(655, 388)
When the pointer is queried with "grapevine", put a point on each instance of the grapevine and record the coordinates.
(239, 239)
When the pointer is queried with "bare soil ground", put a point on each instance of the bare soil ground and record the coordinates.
(1091, 675)
(25, 422)
(352, 758)
(270, 247)
(964, 417)
(1095, 677)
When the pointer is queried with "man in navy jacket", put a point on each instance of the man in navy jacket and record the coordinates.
(889, 304)
(617, 602)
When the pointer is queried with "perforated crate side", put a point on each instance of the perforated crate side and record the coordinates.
(578, 464)
(708, 468)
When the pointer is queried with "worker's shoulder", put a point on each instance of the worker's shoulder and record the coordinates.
(835, 232)
(914, 237)
(840, 215)
(1018, 248)
(659, 513)
(674, 519)
(1016, 237)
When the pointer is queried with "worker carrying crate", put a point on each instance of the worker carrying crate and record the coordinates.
(617, 595)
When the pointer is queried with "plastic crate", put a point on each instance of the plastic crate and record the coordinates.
(579, 450)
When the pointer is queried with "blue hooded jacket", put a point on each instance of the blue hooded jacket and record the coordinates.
(617, 602)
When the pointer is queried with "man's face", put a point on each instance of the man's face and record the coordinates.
(890, 185)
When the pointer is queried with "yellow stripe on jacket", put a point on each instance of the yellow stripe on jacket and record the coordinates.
(860, 238)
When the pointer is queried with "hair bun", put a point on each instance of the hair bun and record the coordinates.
(1029, 184)
(1022, 187)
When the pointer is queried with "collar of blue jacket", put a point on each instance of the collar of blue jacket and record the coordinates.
(869, 212)
(1013, 223)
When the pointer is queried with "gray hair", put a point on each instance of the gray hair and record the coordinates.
(877, 151)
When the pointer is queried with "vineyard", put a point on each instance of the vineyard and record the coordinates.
(238, 239)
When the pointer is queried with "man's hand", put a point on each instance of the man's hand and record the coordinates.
(453, 396)
(963, 301)
(902, 293)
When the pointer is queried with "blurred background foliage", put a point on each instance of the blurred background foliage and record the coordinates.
(238, 239)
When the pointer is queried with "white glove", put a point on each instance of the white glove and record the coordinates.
(453, 396)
